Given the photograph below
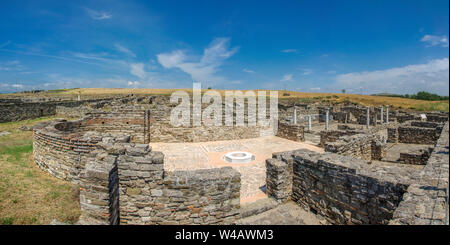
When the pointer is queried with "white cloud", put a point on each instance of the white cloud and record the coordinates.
(133, 84)
(306, 72)
(432, 40)
(432, 76)
(289, 51)
(17, 86)
(286, 78)
(315, 89)
(248, 70)
(124, 50)
(137, 69)
(206, 68)
(98, 15)
(13, 65)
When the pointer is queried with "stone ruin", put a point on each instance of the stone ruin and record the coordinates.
(380, 166)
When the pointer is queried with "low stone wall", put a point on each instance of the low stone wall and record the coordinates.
(419, 157)
(346, 190)
(435, 117)
(62, 152)
(361, 146)
(418, 135)
(423, 124)
(405, 118)
(334, 135)
(147, 195)
(162, 130)
(425, 202)
(123, 182)
(10, 112)
(134, 121)
(17, 110)
(291, 132)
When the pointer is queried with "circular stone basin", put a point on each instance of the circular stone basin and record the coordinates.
(238, 157)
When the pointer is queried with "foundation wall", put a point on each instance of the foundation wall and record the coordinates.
(291, 132)
(346, 190)
(123, 182)
(425, 202)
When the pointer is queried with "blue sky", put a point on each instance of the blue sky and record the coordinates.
(370, 46)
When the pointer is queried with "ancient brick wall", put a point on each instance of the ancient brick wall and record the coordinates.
(279, 174)
(418, 157)
(123, 182)
(333, 135)
(20, 111)
(423, 124)
(62, 152)
(292, 132)
(418, 135)
(361, 146)
(16, 110)
(162, 130)
(425, 202)
(437, 117)
(345, 190)
(133, 121)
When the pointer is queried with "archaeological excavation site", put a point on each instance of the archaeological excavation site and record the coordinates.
(317, 164)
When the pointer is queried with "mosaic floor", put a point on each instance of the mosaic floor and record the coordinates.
(205, 155)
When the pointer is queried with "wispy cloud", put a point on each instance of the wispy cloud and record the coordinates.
(307, 71)
(13, 65)
(5, 44)
(432, 76)
(98, 15)
(248, 70)
(289, 51)
(137, 69)
(206, 68)
(432, 40)
(286, 78)
(124, 50)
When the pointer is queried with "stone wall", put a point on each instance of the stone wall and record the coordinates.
(16, 110)
(392, 135)
(162, 130)
(418, 157)
(345, 190)
(21, 111)
(361, 146)
(123, 182)
(279, 175)
(334, 135)
(292, 132)
(437, 117)
(134, 121)
(62, 152)
(425, 202)
(418, 135)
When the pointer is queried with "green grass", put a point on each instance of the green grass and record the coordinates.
(29, 195)
(440, 106)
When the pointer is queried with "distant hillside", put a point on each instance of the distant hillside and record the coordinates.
(423, 95)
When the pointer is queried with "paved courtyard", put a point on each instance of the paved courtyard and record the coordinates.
(205, 155)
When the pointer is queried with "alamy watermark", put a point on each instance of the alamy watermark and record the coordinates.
(230, 113)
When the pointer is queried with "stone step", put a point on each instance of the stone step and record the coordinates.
(258, 207)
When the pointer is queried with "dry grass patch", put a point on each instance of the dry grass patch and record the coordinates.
(29, 195)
